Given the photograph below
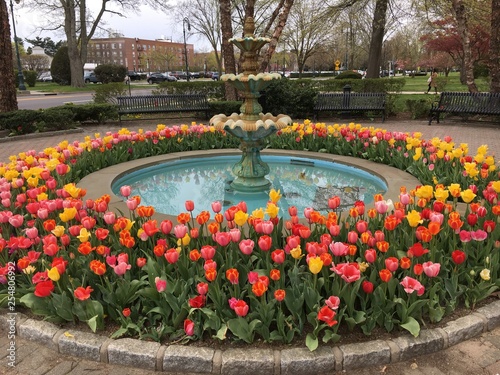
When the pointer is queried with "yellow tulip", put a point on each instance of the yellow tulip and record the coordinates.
(496, 186)
(272, 210)
(258, 213)
(414, 218)
(240, 218)
(485, 274)
(441, 195)
(72, 190)
(58, 231)
(84, 235)
(53, 274)
(315, 265)
(467, 195)
(296, 252)
(275, 196)
(186, 239)
(68, 214)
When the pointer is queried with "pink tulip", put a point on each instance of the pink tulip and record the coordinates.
(392, 264)
(16, 221)
(109, 218)
(180, 230)
(189, 327)
(161, 285)
(207, 252)
(121, 268)
(32, 233)
(267, 227)
(241, 308)
(125, 191)
(479, 235)
(334, 230)
(166, 226)
(246, 246)
(235, 234)
(222, 238)
(216, 206)
(253, 277)
(333, 202)
(339, 249)
(333, 302)
(132, 204)
(189, 205)
(411, 285)
(431, 269)
(352, 237)
(370, 255)
(172, 256)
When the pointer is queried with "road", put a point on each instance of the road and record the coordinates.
(38, 101)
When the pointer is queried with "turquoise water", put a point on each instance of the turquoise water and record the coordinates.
(303, 183)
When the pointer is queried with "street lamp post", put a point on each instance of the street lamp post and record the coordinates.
(184, 22)
(19, 68)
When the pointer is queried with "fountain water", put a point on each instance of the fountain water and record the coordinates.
(251, 126)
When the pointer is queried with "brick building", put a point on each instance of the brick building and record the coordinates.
(140, 55)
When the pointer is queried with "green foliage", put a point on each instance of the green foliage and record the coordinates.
(56, 118)
(108, 92)
(107, 73)
(419, 108)
(98, 113)
(225, 107)
(60, 67)
(214, 90)
(349, 74)
(292, 97)
(19, 122)
(30, 77)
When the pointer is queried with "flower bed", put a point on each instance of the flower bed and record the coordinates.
(250, 275)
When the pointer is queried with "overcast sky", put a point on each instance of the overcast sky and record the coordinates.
(149, 24)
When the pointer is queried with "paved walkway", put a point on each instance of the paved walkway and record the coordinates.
(480, 354)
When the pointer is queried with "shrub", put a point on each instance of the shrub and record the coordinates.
(107, 73)
(56, 118)
(225, 107)
(60, 67)
(418, 108)
(30, 78)
(292, 97)
(214, 90)
(98, 113)
(349, 74)
(20, 122)
(108, 92)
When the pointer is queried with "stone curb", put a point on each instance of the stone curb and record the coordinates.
(202, 360)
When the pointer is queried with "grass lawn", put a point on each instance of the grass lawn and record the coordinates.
(451, 83)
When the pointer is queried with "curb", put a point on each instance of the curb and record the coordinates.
(294, 361)
(40, 135)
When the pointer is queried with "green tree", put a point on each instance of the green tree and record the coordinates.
(49, 47)
(8, 97)
(107, 73)
(60, 67)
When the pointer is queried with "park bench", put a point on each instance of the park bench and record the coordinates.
(465, 103)
(348, 102)
(144, 104)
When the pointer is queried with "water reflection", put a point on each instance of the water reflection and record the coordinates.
(302, 182)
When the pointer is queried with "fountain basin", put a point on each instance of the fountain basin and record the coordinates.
(101, 182)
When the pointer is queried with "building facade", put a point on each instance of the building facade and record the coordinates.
(140, 55)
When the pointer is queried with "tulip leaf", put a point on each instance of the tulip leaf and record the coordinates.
(63, 306)
(311, 342)
(37, 305)
(221, 333)
(412, 326)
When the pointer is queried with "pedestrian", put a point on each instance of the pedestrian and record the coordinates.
(432, 82)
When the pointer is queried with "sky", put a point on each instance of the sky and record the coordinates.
(148, 24)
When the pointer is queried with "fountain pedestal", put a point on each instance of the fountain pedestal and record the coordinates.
(251, 126)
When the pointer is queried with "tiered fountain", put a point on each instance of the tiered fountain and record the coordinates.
(251, 126)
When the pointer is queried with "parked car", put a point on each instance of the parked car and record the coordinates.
(159, 77)
(90, 78)
(45, 77)
(215, 76)
(134, 76)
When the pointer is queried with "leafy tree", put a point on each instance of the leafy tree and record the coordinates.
(38, 63)
(110, 73)
(8, 97)
(495, 46)
(60, 67)
(49, 47)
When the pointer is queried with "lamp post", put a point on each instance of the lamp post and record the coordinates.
(184, 22)
(19, 68)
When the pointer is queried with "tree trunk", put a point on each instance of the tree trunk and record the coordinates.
(378, 31)
(283, 17)
(8, 97)
(227, 48)
(495, 46)
(462, 26)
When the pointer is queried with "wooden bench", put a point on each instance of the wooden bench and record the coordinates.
(350, 102)
(143, 104)
(465, 103)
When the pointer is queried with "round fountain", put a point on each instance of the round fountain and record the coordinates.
(251, 126)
